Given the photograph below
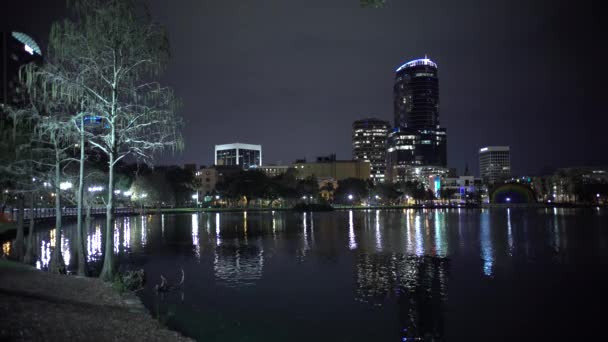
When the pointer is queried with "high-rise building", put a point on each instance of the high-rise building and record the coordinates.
(418, 139)
(16, 50)
(416, 95)
(245, 155)
(369, 144)
(494, 163)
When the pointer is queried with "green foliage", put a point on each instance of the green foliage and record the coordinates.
(129, 281)
(358, 188)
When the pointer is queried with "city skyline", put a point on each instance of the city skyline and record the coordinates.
(506, 80)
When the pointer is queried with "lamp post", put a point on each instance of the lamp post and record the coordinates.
(350, 198)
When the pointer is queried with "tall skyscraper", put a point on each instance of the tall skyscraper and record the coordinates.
(245, 155)
(369, 144)
(494, 163)
(16, 50)
(416, 95)
(417, 139)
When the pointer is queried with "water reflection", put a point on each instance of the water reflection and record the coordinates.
(352, 243)
(390, 268)
(485, 239)
(195, 241)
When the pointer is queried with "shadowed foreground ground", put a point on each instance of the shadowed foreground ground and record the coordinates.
(37, 306)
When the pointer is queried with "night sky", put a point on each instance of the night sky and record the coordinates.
(293, 75)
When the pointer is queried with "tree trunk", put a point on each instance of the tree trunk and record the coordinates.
(19, 240)
(29, 252)
(82, 266)
(57, 265)
(107, 271)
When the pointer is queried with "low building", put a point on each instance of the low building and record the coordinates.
(461, 186)
(274, 170)
(329, 167)
(244, 155)
(208, 177)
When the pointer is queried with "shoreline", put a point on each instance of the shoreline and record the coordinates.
(10, 228)
(37, 305)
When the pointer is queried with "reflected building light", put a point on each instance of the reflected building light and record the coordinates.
(162, 225)
(217, 229)
(65, 249)
(419, 237)
(352, 243)
(378, 233)
(52, 237)
(509, 232)
(195, 242)
(116, 237)
(238, 265)
(305, 228)
(94, 244)
(127, 233)
(487, 250)
(440, 239)
(556, 237)
(245, 224)
(144, 229)
(409, 236)
(45, 254)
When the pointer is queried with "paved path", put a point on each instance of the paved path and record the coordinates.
(37, 306)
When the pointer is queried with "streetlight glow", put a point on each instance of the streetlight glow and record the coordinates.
(65, 185)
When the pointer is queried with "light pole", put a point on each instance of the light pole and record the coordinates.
(350, 198)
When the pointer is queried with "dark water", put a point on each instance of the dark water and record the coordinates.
(400, 275)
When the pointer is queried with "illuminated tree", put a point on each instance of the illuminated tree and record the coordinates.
(110, 55)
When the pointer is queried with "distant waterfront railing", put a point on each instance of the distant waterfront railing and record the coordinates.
(42, 213)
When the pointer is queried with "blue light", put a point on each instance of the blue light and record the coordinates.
(416, 62)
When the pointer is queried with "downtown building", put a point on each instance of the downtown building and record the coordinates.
(369, 144)
(16, 50)
(494, 163)
(417, 146)
(245, 156)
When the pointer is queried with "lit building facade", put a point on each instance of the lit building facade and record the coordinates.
(244, 155)
(369, 144)
(334, 169)
(462, 186)
(274, 170)
(416, 95)
(417, 139)
(494, 163)
(17, 49)
(208, 177)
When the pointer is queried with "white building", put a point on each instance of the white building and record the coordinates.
(245, 155)
(494, 163)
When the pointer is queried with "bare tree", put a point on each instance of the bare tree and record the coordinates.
(110, 56)
(55, 132)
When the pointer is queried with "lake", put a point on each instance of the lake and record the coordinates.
(367, 275)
